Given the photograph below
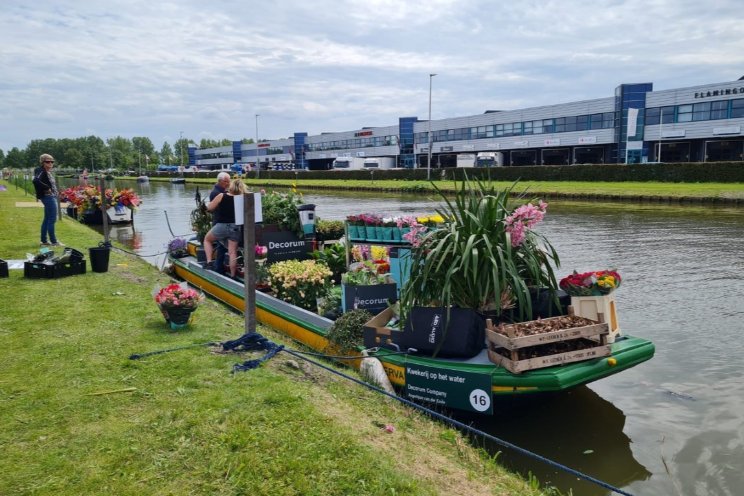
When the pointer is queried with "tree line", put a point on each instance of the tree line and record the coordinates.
(93, 153)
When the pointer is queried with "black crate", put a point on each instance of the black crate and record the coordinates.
(33, 270)
(3, 268)
(69, 269)
(37, 270)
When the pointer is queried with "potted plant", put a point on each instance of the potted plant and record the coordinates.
(282, 209)
(201, 218)
(364, 286)
(177, 247)
(483, 254)
(328, 230)
(334, 256)
(347, 333)
(596, 283)
(177, 302)
(300, 282)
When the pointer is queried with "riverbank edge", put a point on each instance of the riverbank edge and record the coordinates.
(76, 346)
(551, 191)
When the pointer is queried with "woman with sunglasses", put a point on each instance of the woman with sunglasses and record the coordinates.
(46, 192)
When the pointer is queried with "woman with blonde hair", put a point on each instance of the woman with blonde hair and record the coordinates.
(47, 192)
(224, 203)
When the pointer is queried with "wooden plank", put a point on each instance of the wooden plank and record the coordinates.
(519, 366)
(511, 343)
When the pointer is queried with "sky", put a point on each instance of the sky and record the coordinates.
(205, 69)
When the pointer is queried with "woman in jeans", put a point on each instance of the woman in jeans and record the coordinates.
(46, 192)
(224, 203)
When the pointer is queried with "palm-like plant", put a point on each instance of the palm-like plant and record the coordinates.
(470, 261)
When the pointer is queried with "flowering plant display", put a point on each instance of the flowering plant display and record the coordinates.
(177, 296)
(484, 254)
(365, 273)
(300, 282)
(595, 283)
(282, 209)
(89, 197)
(261, 251)
(177, 246)
(523, 218)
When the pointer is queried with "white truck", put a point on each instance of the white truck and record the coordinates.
(348, 163)
(466, 160)
(489, 159)
(379, 163)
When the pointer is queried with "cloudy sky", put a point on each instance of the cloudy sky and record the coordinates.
(156, 69)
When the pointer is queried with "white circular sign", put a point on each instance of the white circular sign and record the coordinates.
(480, 400)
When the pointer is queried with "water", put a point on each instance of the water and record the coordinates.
(673, 425)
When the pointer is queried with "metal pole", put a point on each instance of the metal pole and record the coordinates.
(258, 165)
(249, 262)
(180, 150)
(428, 163)
(661, 121)
(104, 207)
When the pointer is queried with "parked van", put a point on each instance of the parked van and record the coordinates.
(348, 163)
(466, 160)
(379, 163)
(489, 159)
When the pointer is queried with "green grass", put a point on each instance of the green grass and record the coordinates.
(189, 426)
(641, 190)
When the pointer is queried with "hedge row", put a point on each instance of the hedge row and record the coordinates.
(694, 172)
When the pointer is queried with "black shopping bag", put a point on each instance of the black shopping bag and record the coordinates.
(435, 331)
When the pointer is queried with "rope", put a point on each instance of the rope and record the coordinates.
(250, 342)
(350, 357)
(167, 221)
(254, 341)
(137, 356)
(466, 427)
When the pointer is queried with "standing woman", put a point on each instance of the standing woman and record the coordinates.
(46, 192)
(224, 205)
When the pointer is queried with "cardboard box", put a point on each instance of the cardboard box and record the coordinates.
(376, 334)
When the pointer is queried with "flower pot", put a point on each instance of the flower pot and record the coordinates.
(178, 317)
(178, 253)
(354, 232)
(387, 233)
(396, 233)
(371, 232)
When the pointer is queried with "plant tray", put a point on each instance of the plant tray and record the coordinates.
(546, 343)
(33, 270)
(3, 268)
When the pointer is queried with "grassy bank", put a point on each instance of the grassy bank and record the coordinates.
(723, 193)
(79, 417)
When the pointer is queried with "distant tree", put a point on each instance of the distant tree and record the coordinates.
(121, 153)
(182, 151)
(2, 158)
(247, 141)
(17, 159)
(166, 153)
(226, 142)
(74, 158)
(144, 151)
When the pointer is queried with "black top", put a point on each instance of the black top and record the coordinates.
(216, 216)
(225, 211)
(44, 183)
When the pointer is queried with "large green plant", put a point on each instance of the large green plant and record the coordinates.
(201, 218)
(470, 261)
(281, 209)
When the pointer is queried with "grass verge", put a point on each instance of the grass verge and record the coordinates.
(78, 417)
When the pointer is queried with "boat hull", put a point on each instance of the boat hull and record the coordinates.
(310, 329)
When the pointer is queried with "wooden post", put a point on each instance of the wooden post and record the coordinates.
(104, 207)
(249, 262)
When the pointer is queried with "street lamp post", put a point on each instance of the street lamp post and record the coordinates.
(180, 149)
(258, 165)
(428, 162)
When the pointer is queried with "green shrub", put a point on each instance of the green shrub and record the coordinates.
(347, 332)
(326, 230)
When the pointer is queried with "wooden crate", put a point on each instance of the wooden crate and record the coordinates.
(593, 337)
(599, 308)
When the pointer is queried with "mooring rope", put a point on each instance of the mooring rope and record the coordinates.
(254, 341)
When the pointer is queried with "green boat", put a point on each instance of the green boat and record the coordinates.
(466, 384)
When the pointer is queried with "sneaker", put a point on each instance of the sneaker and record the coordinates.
(208, 265)
(44, 243)
(58, 244)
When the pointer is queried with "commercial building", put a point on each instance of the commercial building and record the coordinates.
(636, 125)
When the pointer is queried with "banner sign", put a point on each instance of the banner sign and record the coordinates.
(285, 245)
(450, 388)
(374, 298)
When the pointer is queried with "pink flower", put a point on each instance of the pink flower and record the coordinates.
(524, 217)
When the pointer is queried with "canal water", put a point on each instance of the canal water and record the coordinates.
(671, 426)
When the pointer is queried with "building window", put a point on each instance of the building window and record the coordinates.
(527, 127)
(499, 130)
(719, 109)
(684, 113)
(652, 116)
(608, 120)
(548, 125)
(560, 125)
(596, 121)
(701, 111)
(537, 127)
(570, 125)
(737, 108)
(582, 123)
